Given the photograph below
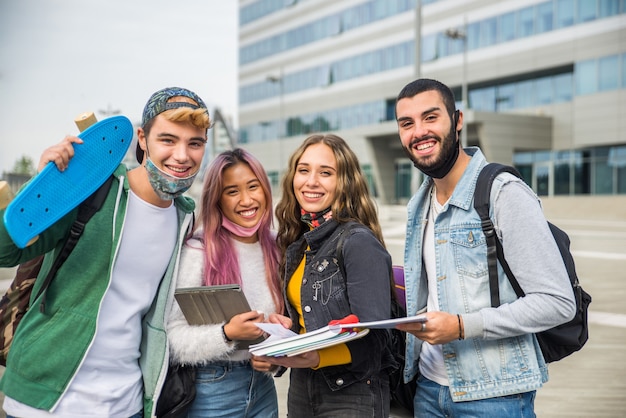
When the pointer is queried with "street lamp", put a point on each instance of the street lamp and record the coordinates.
(418, 39)
(109, 111)
(280, 80)
(462, 35)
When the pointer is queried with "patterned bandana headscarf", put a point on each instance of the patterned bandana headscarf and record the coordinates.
(158, 102)
(315, 219)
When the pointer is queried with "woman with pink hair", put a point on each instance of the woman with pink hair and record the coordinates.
(233, 244)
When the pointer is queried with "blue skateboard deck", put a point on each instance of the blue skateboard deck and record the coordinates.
(52, 193)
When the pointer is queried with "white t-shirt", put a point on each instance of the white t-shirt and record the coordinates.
(431, 363)
(109, 382)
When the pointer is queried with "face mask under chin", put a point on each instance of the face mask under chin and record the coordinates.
(166, 186)
(449, 154)
(446, 165)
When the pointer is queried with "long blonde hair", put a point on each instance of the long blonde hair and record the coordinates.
(353, 201)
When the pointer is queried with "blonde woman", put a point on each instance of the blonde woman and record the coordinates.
(325, 195)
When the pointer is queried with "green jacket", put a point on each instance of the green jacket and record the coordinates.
(49, 347)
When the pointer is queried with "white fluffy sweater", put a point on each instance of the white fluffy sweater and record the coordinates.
(201, 344)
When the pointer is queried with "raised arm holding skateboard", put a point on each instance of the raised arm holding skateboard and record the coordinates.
(99, 346)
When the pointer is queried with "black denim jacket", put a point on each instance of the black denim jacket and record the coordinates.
(326, 295)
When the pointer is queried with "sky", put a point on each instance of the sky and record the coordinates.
(61, 58)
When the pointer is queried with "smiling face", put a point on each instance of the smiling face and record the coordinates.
(315, 179)
(242, 200)
(426, 130)
(175, 148)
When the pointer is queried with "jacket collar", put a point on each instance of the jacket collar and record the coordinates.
(463, 194)
(316, 237)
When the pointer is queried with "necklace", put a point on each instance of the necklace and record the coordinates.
(433, 212)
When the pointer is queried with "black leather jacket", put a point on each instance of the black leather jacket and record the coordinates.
(326, 295)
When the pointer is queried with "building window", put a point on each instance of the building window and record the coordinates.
(545, 17)
(274, 179)
(624, 69)
(505, 97)
(404, 170)
(563, 88)
(488, 32)
(525, 94)
(483, 99)
(542, 176)
(507, 27)
(599, 170)
(526, 170)
(544, 90)
(608, 71)
(621, 180)
(565, 13)
(586, 77)
(526, 26)
(473, 36)
(608, 8)
(587, 10)
(429, 48)
(617, 160)
(562, 173)
(602, 172)
(369, 177)
(582, 170)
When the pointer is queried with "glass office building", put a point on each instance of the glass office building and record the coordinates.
(545, 83)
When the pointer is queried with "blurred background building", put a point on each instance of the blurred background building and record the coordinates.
(542, 83)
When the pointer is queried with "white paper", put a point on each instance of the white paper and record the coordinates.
(275, 329)
(300, 343)
(341, 338)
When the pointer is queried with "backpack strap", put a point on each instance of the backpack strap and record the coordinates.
(495, 253)
(395, 304)
(85, 211)
(342, 237)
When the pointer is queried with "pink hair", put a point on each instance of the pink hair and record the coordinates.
(221, 263)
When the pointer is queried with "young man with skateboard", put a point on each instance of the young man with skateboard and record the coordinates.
(99, 347)
(474, 360)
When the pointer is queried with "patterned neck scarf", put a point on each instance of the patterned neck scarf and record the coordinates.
(315, 219)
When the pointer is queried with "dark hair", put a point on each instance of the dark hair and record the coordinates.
(425, 84)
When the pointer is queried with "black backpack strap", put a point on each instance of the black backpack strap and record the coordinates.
(495, 253)
(342, 237)
(340, 241)
(85, 211)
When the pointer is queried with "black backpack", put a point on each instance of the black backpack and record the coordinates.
(560, 341)
(16, 301)
(401, 393)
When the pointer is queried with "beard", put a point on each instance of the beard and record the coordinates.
(441, 164)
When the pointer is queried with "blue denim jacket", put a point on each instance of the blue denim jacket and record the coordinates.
(477, 367)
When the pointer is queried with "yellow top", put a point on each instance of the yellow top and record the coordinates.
(330, 356)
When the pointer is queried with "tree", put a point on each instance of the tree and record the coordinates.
(24, 166)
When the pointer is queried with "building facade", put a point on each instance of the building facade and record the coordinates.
(542, 83)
